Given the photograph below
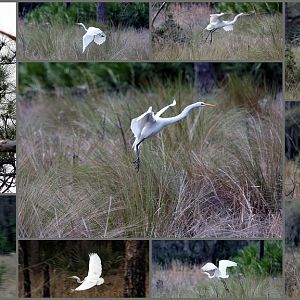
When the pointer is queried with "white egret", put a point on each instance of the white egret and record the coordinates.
(215, 23)
(93, 278)
(92, 34)
(219, 273)
(149, 124)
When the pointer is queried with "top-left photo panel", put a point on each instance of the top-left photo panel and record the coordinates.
(7, 97)
(83, 31)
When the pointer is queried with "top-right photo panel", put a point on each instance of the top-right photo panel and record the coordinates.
(240, 31)
(292, 51)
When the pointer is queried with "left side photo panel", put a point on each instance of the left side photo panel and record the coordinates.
(7, 97)
(8, 258)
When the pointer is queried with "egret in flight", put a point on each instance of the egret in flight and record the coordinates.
(149, 124)
(215, 23)
(219, 273)
(92, 34)
(93, 278)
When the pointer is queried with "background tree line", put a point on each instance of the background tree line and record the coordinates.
(7, 224)
(112, 13)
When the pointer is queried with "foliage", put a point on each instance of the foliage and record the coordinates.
(121, 76)
(263, 7)
(7, 112)
(118, 14)
(249, 262)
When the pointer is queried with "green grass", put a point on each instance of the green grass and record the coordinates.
(256, 37)
(216, 173)
(181, 281)
(64, 42)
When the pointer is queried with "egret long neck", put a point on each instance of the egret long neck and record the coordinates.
(183, 114)
(83, 26)
(236, 17)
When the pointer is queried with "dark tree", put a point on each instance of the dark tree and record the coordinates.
(205, 77)
(261, 249)
(135, 269)
(26, 275)
(101, 12)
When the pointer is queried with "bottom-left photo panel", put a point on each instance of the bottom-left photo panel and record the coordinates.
(8, 258)
(84, 268)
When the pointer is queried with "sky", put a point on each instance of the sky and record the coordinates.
(8, 17)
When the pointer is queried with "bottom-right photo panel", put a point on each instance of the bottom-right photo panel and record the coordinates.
(217, 269)
(292, 248)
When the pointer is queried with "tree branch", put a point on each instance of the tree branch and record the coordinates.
(7, 146)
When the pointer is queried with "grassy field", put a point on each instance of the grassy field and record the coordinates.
(64, 42)
(8, 281)
(292, 91)
(182, 281)
(255, 37)
(292, 180)
(216, 173)
(292, 273)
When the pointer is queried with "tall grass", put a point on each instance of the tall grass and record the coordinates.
(216, 173)
(292, 274)
(64, 42)
(182, 281)
(257, 37)
(292, 85)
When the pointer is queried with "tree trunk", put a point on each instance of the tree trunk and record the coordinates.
(205, 77)
(101, 12)
(261, 249)
(46, 287)
(135, 273)
(26, 275)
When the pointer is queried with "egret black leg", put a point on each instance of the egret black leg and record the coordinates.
(207, 36)
(137, 161)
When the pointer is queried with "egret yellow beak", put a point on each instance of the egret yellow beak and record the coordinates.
(209, 105)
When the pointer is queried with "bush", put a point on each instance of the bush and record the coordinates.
(271, 264)
(265, 7)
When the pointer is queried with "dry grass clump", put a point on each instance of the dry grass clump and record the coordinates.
(254, 37)
(215, 174)
(8, 278)
(292, 90)
(182, 281)
(292, 273)
(64, 42)
(292, 179)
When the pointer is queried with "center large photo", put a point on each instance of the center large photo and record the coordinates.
(156, 150)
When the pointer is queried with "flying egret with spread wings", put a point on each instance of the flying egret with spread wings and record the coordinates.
(219, 273)
(92, 34)
(149, 124)
(94, 274)
(215, 23)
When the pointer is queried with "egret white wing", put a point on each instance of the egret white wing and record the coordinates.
(95, 266)
(165, 108)
(228, 28)
(138, 123)
(214, 18)
(99, 39)
(87, 284)
(224, 264)
(86, 40)
(209, 267)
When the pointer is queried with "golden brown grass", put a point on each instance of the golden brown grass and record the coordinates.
(292, 273)
(64, 42)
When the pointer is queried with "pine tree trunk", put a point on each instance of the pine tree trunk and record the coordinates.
(205, 77)
(26, 275)
(135, 273)
(101, 12)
